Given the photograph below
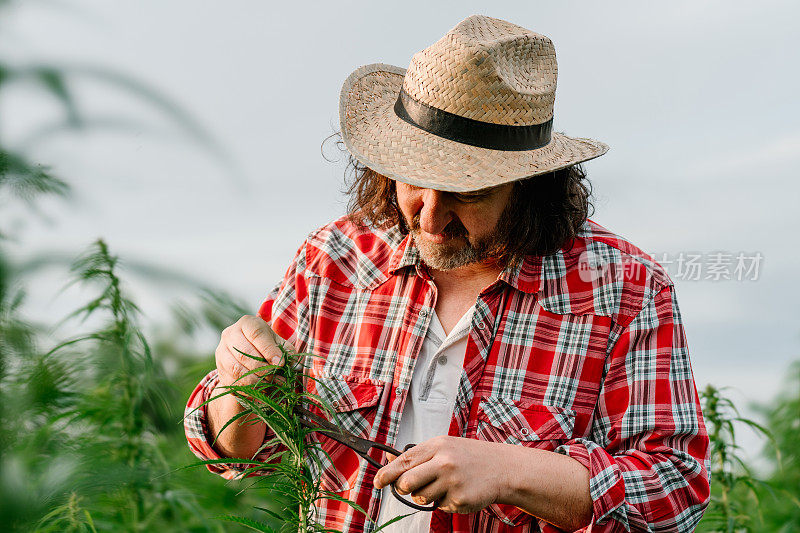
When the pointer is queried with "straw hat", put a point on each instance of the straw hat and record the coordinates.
(473, 110)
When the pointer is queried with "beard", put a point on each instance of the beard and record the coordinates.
(460, 250)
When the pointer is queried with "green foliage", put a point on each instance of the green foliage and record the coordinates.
(25, 180)
(90, 429)
(56, 82)
(780, 501)
(289, 471)
(123, 399)
(85, 423)
(90, 433)
(734, 489)
(739, 501)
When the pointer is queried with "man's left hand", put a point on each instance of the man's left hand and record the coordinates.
(461, 475)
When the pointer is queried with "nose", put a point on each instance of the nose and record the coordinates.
(434, 211)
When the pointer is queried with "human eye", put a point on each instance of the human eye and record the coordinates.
(472, 196)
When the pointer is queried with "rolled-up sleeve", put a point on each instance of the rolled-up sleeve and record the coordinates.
(195, 424)
(647, 451)
(285, 312)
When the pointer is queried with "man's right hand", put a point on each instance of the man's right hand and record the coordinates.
(254, 337)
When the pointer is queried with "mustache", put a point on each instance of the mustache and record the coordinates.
(453, 229)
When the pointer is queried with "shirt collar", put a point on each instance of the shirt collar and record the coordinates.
(525, 276)
(404, 255)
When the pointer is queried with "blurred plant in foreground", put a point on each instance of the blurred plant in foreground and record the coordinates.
(85, 422)
(90, 430)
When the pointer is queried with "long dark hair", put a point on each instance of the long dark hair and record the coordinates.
(544, 214)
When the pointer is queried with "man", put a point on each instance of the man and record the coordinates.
(467, 305)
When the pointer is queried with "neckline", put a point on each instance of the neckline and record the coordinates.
(461, 328)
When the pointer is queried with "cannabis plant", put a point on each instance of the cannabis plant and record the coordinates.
(781, 505)
(120, 403)
(734, 488)
(292, 472)
(90, 429)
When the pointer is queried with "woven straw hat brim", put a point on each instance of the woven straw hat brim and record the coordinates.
(379, 139)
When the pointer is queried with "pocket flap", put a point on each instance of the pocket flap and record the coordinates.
(523, 420)
(347, 393)
(354, 400)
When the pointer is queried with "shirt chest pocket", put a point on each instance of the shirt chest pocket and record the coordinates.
(523, 421)
(526, 423)
(355, 401)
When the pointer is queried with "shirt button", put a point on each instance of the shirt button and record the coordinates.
(335, 403)
(524, 432)
(423, 313)
(481, 325)
(443, 360)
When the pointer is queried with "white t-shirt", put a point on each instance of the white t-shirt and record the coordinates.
(428, 408)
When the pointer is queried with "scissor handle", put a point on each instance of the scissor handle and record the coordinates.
(357, 444)
(410, 503)
(366, 445)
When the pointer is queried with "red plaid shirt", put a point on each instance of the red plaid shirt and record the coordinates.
(587, 362)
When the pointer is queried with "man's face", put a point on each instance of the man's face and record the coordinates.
(452, 230)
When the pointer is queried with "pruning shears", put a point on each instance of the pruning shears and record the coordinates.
(357, 444)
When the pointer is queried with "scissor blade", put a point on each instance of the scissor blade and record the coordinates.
(310, 419)
(320, 424)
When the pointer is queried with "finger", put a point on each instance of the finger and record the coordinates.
(231, 337)
(238, 365)
(244, 352)
(414, 479)
(432, 492)
(260, 335)
(232, 364)
(407, 460)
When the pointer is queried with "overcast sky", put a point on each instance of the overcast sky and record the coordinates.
(698, 103)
